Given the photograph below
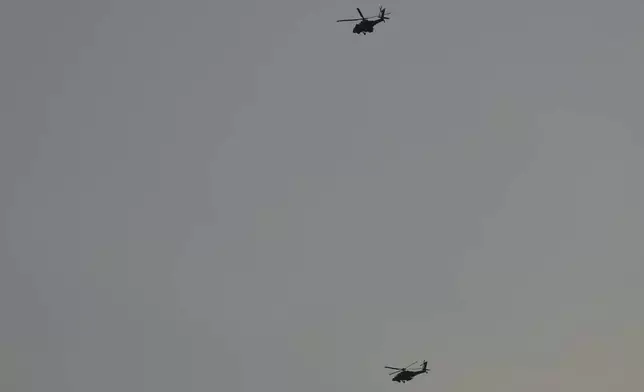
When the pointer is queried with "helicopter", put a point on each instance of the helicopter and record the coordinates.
(366, 26)
(405, 375)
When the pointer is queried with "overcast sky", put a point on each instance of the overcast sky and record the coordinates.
(244, 196)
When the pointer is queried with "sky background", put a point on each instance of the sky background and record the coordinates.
(243, 196)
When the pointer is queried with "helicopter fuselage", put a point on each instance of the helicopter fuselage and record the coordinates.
(365, 26)
(407, 375)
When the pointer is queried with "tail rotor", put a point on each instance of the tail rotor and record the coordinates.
(383, 16)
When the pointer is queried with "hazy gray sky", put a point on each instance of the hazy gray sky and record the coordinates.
(244, 196)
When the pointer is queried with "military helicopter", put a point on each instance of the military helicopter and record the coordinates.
(405, 375)
(366, 26)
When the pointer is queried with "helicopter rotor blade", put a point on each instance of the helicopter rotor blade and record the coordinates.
(360, 12)
(383, 16)
(407, 367)
(389, 367)
(392, 373)
(348, 20)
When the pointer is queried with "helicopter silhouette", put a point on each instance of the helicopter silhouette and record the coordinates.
(366, 26)
(405, 375)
